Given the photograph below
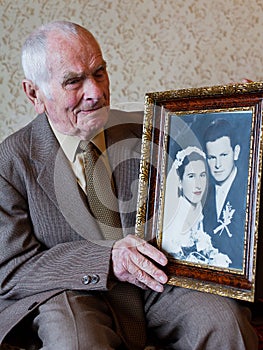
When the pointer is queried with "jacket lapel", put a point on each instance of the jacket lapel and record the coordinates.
(57, 180)
(55, 176)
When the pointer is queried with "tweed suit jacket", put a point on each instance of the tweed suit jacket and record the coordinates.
(49, 241)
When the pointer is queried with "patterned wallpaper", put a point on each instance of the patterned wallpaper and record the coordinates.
(150, 45)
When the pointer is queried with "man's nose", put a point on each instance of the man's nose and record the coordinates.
(92, 89)
(218, 163)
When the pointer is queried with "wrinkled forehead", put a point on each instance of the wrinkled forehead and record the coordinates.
(76, 50)
(58, 40)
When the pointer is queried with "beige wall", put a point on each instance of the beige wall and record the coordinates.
(150, 45)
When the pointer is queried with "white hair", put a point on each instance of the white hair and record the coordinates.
(34, 53)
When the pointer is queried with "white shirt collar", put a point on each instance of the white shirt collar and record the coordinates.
(70, 144)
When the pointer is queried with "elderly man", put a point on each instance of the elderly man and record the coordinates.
(72, 274)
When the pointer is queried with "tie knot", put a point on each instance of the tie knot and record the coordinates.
(85, 145)
(89, 148)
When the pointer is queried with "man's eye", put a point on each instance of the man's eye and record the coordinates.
(73, 81)
(100, 73)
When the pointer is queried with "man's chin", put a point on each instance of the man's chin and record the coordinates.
(219, 181)
(94, 123)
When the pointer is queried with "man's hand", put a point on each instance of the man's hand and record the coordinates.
(130, 263)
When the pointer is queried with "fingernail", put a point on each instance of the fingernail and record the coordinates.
(163, 279)
(158, 288)
(163, 261)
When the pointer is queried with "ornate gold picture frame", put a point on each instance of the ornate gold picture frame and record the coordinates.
(199, 186)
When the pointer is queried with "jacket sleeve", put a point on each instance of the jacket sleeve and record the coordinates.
(39, 250)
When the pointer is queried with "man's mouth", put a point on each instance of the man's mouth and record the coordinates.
(89, 111)
(219, 172)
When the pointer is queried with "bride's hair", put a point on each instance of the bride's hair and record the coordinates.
(187, 155)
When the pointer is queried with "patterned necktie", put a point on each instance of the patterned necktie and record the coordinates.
(100, 191)
(124, 298)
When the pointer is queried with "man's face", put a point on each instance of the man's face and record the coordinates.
(78, 96)
(221, 158)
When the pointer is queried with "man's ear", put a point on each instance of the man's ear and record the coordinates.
(33, 94)
(236, 152)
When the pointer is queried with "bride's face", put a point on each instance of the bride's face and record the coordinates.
(194, 181)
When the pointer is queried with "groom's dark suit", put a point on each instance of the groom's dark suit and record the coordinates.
(53, 240)
(229, 239)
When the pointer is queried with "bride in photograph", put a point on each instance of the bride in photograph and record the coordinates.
(183, 236)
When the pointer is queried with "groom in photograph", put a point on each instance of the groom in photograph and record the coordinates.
(225, 206)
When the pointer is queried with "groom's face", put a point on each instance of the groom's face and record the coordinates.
(221, 158)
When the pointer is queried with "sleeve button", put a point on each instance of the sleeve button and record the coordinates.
(86, 279)
(95, 279)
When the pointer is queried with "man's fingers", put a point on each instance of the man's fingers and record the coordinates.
(146, 268)
(134, 261)
(145, 272)
(141, 278)
(152, 252)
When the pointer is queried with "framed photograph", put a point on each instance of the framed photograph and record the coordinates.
(200, 186)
